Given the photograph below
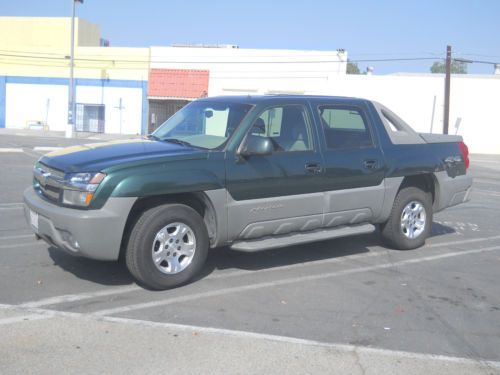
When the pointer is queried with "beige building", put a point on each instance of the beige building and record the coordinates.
(110, 82)
(48, 32)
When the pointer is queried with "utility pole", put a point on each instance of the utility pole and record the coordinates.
(447, 81)
(70, 128)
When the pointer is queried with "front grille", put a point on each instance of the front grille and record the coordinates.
(50, 192)
(54, 172)
(48, 181)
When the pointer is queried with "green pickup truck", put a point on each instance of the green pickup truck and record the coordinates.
(248, 172)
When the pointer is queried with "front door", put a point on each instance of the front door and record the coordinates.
(278, 193)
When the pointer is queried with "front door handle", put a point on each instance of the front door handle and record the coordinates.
(314, 168)
(370, 164)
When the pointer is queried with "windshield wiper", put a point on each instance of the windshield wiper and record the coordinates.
(174, 140)
(177, 141)
(152, 136)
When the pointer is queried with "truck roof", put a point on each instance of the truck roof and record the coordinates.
(254, 99)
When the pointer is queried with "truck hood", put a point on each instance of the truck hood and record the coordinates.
(96, 157)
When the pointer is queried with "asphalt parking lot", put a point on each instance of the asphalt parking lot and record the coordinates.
(342, 306)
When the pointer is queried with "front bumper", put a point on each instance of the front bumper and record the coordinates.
(98, 233)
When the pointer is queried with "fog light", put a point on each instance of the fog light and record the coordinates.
(69, 239)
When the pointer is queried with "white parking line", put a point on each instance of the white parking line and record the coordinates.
(45, 314)
(132, 288)
(486, 181)
(11, 206)
(32, 235)
(287, 281)
(487, 192)
(24, 244)
(7, 149)
(485, 161)
(471, 240)
(77, 297)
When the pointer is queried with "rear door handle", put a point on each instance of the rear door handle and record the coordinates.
(370, 164)
(314, 168)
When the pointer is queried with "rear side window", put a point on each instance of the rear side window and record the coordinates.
(344, 127)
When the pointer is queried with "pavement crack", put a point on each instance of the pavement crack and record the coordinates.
(357, 360)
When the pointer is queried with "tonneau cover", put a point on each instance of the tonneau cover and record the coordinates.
(440, 138)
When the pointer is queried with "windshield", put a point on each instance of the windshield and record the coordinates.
(204, 124)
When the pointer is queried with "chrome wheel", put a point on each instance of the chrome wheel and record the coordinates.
(173, 248)
(413, 219)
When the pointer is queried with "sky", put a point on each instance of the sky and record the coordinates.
(367, 30)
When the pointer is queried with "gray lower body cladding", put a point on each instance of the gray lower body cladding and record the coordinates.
(280, 216)
(99, 233)
(451, 191)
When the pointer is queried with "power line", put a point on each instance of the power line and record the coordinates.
(114, 60)
(215, 61)
(58, 57)
(396, 59)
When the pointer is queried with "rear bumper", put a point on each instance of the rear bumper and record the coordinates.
(452, 190)
(98, 233)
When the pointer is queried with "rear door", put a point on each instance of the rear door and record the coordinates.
(353, 161)
(278, 193)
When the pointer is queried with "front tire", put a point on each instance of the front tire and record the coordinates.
(410, 221)
(167, 247)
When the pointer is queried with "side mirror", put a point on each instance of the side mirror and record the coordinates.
(256, 145)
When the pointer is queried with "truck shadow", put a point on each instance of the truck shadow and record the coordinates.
(225, 258)
(100, 272)
(115, 273)
(439, 229)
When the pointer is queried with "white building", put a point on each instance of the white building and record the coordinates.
(180, 74)
(419, 99)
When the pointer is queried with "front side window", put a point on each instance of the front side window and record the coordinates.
(286, 126)
(203, 124)
(344, 127)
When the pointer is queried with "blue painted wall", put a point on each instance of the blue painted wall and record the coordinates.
(78, 82)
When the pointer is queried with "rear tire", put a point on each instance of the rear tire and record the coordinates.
(167, 247)
(410, 221)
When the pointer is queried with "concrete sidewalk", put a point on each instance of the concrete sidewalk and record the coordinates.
(48, 343)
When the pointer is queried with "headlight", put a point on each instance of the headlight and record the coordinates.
(79, 188)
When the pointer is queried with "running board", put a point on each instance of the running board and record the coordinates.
(267, 243)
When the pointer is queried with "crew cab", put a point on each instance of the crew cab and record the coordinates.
(250, 173)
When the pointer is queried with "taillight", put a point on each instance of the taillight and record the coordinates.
(465, 153)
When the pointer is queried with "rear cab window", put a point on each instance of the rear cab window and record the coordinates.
(344, 127)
